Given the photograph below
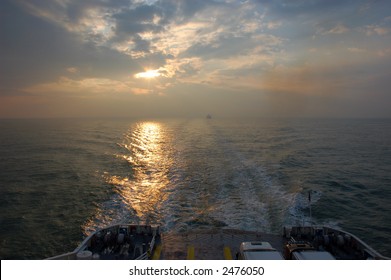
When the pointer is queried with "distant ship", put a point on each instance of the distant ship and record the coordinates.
(208, 116)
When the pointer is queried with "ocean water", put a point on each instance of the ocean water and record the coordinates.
(62, 179)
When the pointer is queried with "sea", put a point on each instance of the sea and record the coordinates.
(61, 179)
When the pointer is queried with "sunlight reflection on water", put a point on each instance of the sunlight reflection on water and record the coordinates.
(142, 192)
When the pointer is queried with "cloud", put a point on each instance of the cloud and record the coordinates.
(94, 48)
(338, 29)
(357, 50)
(72, 70)
(82, 87)
(140, 19)
(34, 51)
(376, 30)
(332, 29)
(384, 52)
(274, 24)
(292, 10)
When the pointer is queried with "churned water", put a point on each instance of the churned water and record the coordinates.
(62, 179)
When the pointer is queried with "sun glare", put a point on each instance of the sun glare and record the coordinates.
(149, 74)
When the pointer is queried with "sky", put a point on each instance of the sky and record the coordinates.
(177, 58)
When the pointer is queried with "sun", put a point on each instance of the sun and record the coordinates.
(149, 74)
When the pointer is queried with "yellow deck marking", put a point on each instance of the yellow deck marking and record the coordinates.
(156, 254)
(190, 253)
(227, 253)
